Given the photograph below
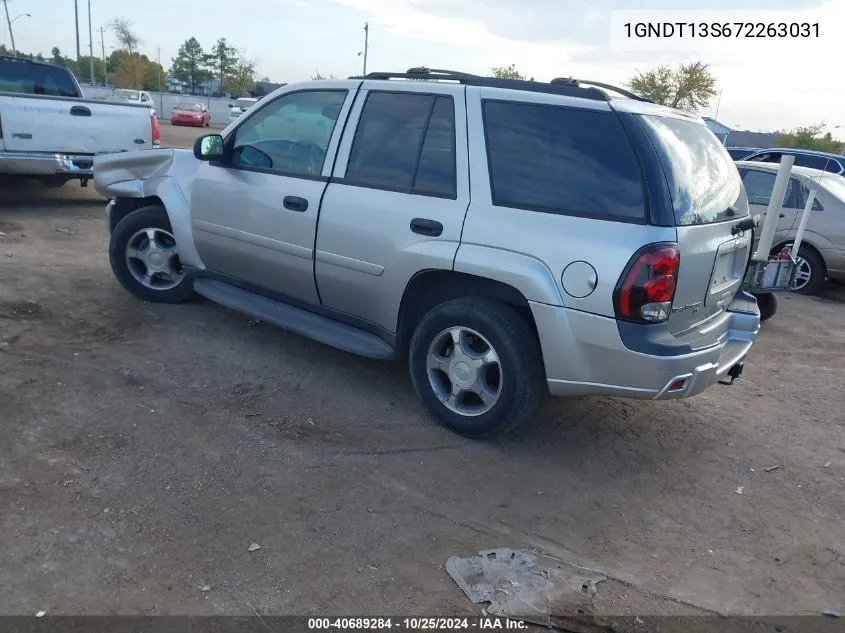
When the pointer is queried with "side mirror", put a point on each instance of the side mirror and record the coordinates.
(209, 147)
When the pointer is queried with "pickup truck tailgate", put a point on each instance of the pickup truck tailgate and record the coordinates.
(36, 123)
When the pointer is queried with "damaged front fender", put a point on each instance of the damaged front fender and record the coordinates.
(166, 174)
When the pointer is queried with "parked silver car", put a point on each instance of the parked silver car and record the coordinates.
(503, 234)
(822, 252)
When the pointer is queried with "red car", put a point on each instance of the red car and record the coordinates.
(190, 114)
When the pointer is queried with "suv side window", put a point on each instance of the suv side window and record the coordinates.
(835, 166)
(289, 135)
(564, 160)
(808, 160)
(405, 142)
(768, 157)
(760, 184)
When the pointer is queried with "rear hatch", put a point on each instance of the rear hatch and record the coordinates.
(708, 201)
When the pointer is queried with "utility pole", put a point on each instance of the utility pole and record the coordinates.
(160, 69)
(76, 17)
(11, 35)
(366, 44)
(103, 45)
(90, 45)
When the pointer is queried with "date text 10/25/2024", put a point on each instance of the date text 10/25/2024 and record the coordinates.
(415, 624)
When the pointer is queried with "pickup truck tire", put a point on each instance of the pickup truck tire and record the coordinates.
(476, 365)
(145, 259)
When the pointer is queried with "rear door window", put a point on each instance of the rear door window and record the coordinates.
(405, 142)
(703, 180)
(805, 160)
(556, 159)
(36, 79)
(760, 184)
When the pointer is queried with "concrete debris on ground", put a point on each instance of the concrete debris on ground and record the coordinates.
(831, 612)
(527, 585)
(254, 547)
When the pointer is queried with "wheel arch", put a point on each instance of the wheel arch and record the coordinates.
(429, 288)
(164, 193)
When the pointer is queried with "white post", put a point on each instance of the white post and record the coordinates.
(770, 223)
(799, 236)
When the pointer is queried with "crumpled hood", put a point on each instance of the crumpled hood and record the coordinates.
(133, 174)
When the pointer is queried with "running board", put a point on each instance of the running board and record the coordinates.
(322, 329)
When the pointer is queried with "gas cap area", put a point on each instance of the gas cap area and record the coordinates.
(579, 279)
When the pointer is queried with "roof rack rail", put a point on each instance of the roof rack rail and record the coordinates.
(433, 74)
(571, 81)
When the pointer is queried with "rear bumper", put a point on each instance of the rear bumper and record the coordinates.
(584, 355)
(46, 164)
(187, 121)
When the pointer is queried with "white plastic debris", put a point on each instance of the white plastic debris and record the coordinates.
(40, 614)
(254, 547)
(739, 490)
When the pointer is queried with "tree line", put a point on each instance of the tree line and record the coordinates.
(127, 67)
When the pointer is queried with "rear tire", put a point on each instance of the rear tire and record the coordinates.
(811, 272)
(488, 382)
(144, 257)
(767, 303)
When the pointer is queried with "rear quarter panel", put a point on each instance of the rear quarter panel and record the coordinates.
(495, 237)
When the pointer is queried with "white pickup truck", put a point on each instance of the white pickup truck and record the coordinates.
(50, 132)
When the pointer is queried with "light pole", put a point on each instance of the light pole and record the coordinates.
(10, 22)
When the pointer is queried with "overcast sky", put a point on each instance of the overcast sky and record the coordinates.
(765, 86)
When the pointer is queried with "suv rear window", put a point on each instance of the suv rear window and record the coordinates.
(703, 180)
(36, 79)
(557, 159)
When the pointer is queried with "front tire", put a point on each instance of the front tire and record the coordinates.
(476, 365)
(811, 272)
(144, 257)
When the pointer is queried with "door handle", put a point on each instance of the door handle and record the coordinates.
(295, 203)
(423, 226)
(80, 111)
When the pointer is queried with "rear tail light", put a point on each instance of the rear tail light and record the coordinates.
(647, 287)
(155, 131)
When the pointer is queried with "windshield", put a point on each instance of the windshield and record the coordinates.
(703, 180)
(127, 94)
(195, 107)
(244, 104)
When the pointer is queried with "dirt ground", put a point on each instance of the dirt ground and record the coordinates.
(144, 447)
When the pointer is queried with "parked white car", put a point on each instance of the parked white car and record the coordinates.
(239, 107)
(133, 96)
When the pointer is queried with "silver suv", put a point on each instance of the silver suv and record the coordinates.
(502, 234)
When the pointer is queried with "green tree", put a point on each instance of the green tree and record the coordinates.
(810, 137)
(507, 72)
(223, 59)
(191, 64)
(242, 80)
(690, 87)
